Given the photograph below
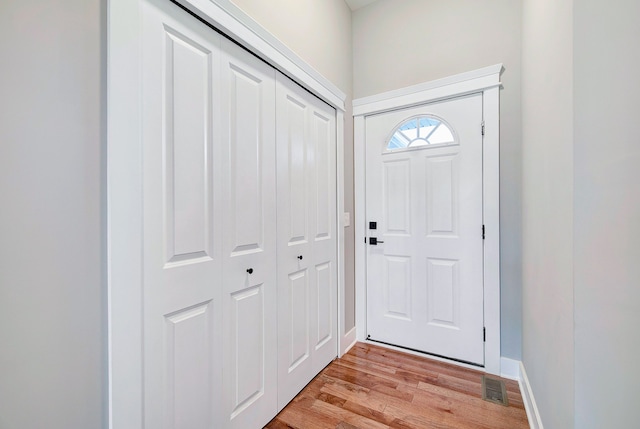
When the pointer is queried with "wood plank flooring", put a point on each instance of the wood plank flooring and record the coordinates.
(374, 387)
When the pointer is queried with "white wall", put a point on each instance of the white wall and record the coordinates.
(402, 43)
(547, 201)
(51, 287)
(607, 213)
(319, 32)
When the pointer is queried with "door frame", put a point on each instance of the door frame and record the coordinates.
(486, 81)
(125, 189)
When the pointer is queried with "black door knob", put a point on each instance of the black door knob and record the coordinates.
(300, 257)
(250, 270)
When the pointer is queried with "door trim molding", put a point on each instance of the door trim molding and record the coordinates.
(464, 83)
(235, 23)
(487, 81)
(125, 185)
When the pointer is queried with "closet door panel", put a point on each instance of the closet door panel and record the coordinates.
(249, 248)
(246, 158)
(306, 214)
(293, 222)
(298, 322)
(293, 160)
(323, 128)
(324, 303)
(182, 376)
(295, 285)
(322, 137)
(247, 347)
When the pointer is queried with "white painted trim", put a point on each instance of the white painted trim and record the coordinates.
(342, 338)
(487, 81)
(124, 182)
(233, 22)
(452, 86)
(359, 223)
(350, 340)
(533, 415)
(124, 215)
(510, 368)
(491, 219)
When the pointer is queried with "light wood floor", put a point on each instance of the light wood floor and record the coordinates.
(373, 387)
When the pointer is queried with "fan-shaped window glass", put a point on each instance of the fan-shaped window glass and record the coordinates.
(420, 131)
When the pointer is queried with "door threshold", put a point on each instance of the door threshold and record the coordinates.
(432, 356)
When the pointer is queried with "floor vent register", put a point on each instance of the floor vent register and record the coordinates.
(494, 391)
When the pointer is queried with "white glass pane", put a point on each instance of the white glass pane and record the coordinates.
(441, 135)
(411, 134)
(421, 131)
(398, 141)
(425, 131)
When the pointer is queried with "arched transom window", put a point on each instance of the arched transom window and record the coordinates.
(420, 131)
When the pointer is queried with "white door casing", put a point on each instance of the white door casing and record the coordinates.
(487, 82)
(307, 266)
(424, 277)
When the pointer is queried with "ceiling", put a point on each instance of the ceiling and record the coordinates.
(357, 4)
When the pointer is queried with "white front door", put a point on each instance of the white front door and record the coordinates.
(424, 209)
(307, 276)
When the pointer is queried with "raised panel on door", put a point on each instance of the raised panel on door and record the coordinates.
(249, 249)
(323, 145)
(442, 214)
(307, 279)
(296, 300)
(188, 355)
(247, 348)
(397, 287)
(443, 293)
(397, 197)
(325, 305)
(292, 158)
(182, 243)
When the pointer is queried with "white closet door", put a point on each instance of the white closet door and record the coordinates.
(182, 249)
(307, 278)
(249, 249)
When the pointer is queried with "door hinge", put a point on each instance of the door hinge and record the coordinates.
(482, 127)
(484, 335)
(483, 232)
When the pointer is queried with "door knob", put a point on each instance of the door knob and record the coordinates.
(250, 270)
(374, 241)
(300, 257)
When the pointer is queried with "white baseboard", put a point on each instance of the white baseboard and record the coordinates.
(509, 368)
(535, 422)
(347, 341)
